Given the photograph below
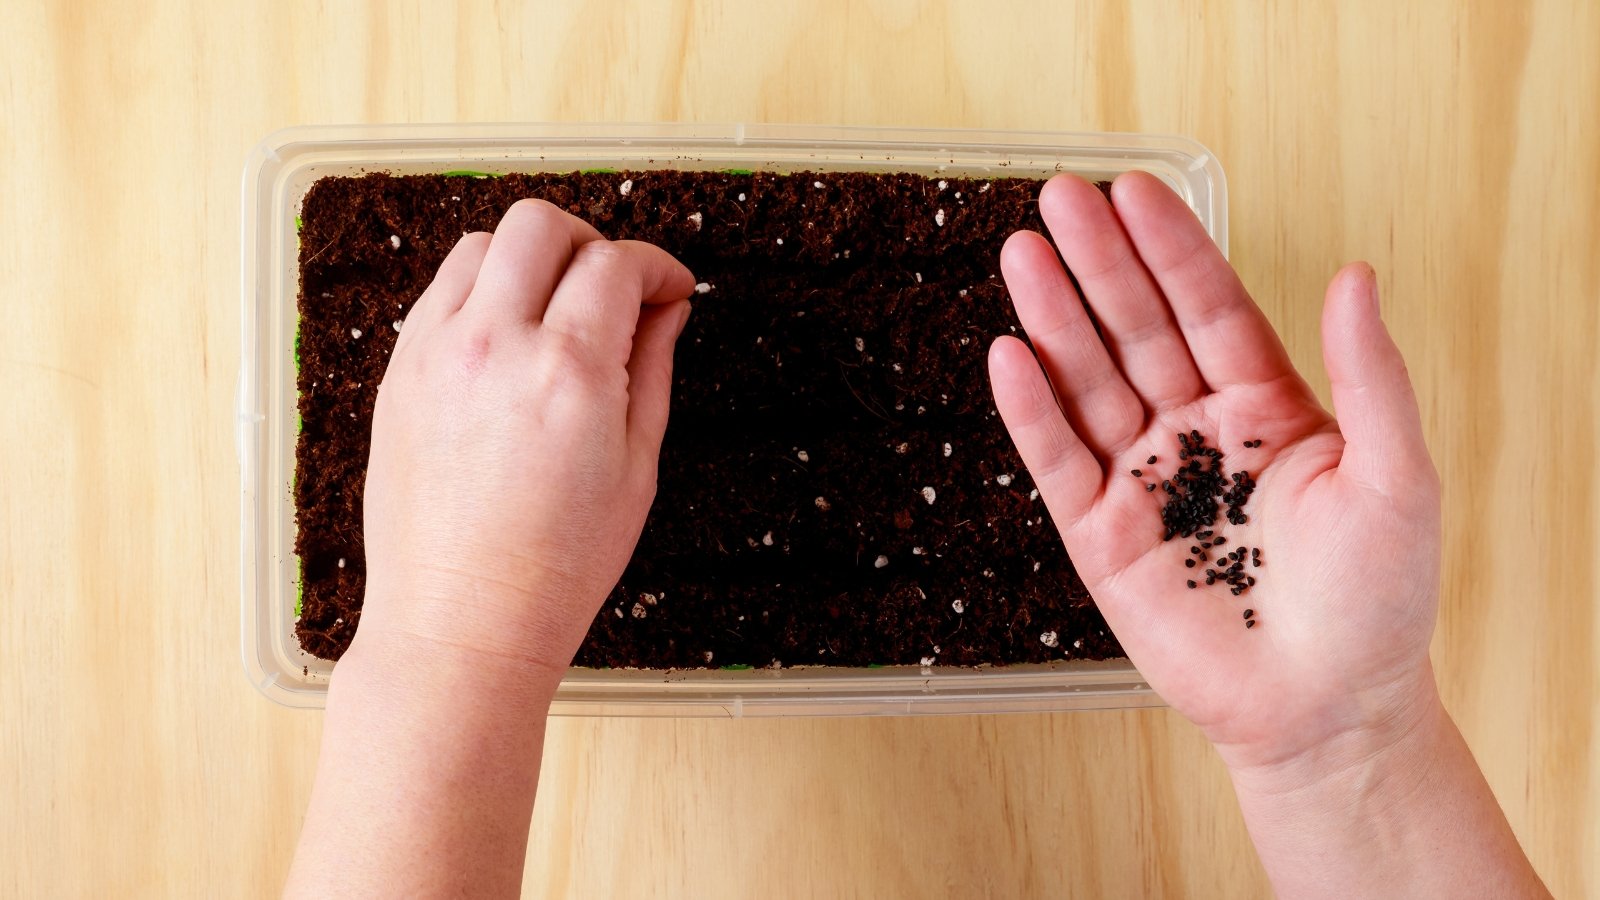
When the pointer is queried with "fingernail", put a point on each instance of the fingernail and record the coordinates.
(1369, 283)
(683, 319)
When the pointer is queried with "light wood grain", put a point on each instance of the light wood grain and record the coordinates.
(1455, 145)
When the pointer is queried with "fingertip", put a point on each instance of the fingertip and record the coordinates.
(1022, 255)
(1358, 283)
(1351, 307)
(1009, 359)
(1134, 184)
(683, 319)
(664, 279)
(1063, 192)
(1018, 242)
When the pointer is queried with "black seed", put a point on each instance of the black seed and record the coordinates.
(1189, 562)
(1195, 436)
(1191, 585)
(1256, 561)
(1137, 473)
(1220, 541)
(1149, 488)
(1250, 623)
(1236, 592)
(1248, 613)
(1195, 550)
(1151, 461)
(1250, 581)
(1203, 535)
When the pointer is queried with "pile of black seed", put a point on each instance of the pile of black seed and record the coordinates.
(1194, 493)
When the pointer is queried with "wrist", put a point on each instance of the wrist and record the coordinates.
(402, 655)
(1378, 751)
(483, 625)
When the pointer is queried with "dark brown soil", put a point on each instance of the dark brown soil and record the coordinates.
(833, 374)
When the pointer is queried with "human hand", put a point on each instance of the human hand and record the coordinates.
(516, 435)
(1346, 511)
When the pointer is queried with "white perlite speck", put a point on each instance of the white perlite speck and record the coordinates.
(1003, 480)
(927, 662)
(948, 449)
(355, 333)
(741, 198)
(918, 276)
(823, 504)
(341, 562)
(766, 539)
(1077, 645)
(983, 188)
(902, 448)
(1033, 494)
(396, 324)
(803, 456)
(861, 345)
(943, 184)
(929, 494)
(703, 287)
(917, 551)
(618, 611)
(708, 656)
(1049, 639)
(697, 219)
(958, 605)
(648, 599)
(394, 241)
(938, 218)
(639, 611)
(880, 562)
(780, 242)
(625, 187)
(1036, 566)
(817, 184)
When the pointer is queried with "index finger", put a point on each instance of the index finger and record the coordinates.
(530, 249)
(1230, 339)
(597, 302)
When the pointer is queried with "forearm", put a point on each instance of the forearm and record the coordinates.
(1381, 815)
(430, 761)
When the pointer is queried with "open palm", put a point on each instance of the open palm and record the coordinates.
(1345, 513)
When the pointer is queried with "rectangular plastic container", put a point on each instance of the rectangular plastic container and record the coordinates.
(283, 166)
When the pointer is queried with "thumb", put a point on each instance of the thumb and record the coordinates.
(650, 373)
(1372, 395)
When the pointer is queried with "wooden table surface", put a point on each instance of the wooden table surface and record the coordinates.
(1456, 145)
